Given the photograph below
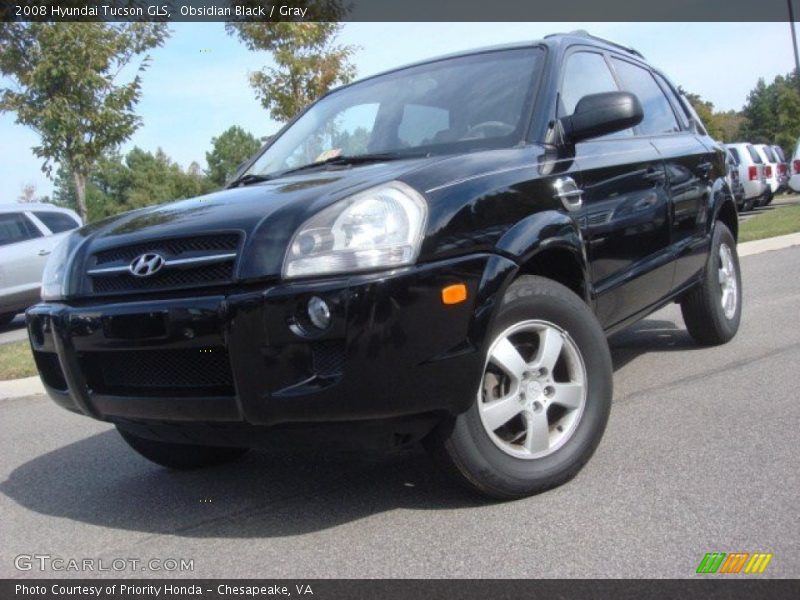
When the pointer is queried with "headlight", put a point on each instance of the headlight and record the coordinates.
(54, 282)
(376, 229)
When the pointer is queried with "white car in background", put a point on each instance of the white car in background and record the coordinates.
(783, 168)
(28, 234)
(770, 169)
(751, 173)
(794, 167)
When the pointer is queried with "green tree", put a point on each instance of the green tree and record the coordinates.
(228, 151)
(308, 62)
(772, 113)
(139, 179)
(65, 86)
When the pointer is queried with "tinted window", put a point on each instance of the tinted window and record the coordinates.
(734, 155)
(584, 73)
(56, 222)
(754, 154)
(683, 116)
(779, 153)
(658, 115)
(421, 124)
(15, 227)
(453, 105)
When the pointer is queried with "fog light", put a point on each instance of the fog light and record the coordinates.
(319, 313)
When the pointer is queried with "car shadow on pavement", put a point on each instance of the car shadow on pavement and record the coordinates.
(100, 481)
(269, 493)
(649, 335)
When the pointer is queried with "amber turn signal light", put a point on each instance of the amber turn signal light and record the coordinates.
(454, 294)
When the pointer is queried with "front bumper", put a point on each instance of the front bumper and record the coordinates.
(393, 349)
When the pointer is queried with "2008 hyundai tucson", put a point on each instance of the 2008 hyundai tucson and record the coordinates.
(436, 253)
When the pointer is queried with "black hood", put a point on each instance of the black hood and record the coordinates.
(266, 215)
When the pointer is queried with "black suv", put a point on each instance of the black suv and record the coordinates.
(435, 253)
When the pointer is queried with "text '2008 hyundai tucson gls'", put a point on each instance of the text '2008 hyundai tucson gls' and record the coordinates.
(436, 253)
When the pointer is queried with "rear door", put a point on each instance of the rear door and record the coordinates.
(691, 165)
(624, 217)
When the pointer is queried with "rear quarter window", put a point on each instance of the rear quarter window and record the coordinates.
(57, 222)
(754, 155)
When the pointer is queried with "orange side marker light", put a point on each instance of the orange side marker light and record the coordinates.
(454, 294)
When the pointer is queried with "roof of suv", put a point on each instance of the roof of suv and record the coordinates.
(552, 40)
(29, 206)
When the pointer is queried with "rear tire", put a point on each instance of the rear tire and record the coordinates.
(544, 398)
(712, 311)
(181, 456)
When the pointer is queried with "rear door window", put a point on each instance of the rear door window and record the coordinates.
(659, 117)
(769, 153)
(734, 152)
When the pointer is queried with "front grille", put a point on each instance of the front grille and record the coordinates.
(109, 273)
(216, 273)
(197, 372)
(209, 244)
(50, 370)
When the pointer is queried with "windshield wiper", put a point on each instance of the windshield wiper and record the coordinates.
(356, 159)
(247, 179)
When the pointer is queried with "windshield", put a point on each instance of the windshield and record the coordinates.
(447, 106)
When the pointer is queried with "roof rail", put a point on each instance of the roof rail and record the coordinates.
(586, 34)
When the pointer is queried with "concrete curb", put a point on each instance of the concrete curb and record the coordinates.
(33, 385)
(773, 243)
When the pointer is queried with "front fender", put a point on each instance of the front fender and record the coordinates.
(544, 232)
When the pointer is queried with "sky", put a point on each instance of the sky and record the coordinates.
(197, 84)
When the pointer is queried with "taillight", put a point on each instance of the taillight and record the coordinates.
(796, 165)
(768, 171)
(782, 169)
(752, 172)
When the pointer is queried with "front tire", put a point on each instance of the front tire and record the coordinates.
(712, 311)
(181, 456)
(544, 398)
(5, 319)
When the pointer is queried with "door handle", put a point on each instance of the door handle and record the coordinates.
(44, 252)
(569, 193)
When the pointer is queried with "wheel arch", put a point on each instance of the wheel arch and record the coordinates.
(549, 244)
(726, 212)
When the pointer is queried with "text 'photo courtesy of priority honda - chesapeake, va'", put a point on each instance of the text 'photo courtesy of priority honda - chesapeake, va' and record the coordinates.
(364, 300)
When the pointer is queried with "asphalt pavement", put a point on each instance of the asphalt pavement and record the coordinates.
(700, 455)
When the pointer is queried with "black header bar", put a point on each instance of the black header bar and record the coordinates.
(398, 10)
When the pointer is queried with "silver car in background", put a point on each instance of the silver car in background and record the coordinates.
(28, 234)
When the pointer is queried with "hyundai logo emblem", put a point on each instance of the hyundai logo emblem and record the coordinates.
(148, 264)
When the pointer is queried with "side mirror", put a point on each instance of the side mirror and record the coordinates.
(601, 114)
